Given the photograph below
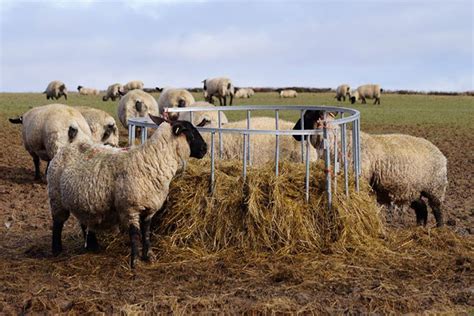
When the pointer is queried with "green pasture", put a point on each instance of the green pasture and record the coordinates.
(395, 110)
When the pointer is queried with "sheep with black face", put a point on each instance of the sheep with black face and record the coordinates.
(104, 187)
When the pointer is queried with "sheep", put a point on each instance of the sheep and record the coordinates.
(136, 103)
(288, 93)
(133, 85)
(172, 98)
(204, 118)
(400, 168)
(104, 187)
(262, 147)
(243, 93)
(48, 128)
(87, 91)
(55, 90)
(113, 92)
(103, 127)
(342, 91)
(218, 87)
(368, 91)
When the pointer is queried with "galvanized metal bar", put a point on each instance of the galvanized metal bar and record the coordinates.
(344, 156)
(219, 124)
(306, 182)
(358, 148)
(354, 155)
(211, 189)
(130, 139)
(244, 169)
(277, 143)
(336, 164)
(327, 160)
(143, 134)
(302, 137)
(248, 139)
(133, 135)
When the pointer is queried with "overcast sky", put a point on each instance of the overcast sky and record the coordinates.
(419, 45)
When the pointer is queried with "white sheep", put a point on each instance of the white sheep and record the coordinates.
(400, 168)
(113, 92)
(288, 93)
(104, 187)
(342, 91)
(243, 93)
(204, 118)
(103, 127)
(368, 91)
(218, 87)
(87, 91)
(133, 85)
(173, 98)
(262, 147)
(55, 90)
(48, 128)
(136, 103)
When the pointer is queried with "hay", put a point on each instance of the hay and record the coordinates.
(266, 212)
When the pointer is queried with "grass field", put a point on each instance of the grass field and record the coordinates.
(419, 269)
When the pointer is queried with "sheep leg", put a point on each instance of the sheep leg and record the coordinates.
(58, 223)
(90, 239)
(231, 98)
(134, 233)
(435, 205)
(36, 161)
(145, 223)
(363, 101)
(421, 211)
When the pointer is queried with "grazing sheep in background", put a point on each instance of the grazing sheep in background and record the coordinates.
(104, 187)
(288, 93)
(103, 127)
(368, 91)
(342, 91)
(113, 92)
(132, 85)
(173, 98)
(243, 93)
(87, 91)
(55, 90)
(136, 103)
(400, 168)
(220, 88)
(48, 128)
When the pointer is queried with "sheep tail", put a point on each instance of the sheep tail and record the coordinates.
(18, 120)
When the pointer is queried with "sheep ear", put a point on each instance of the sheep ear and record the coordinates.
(157, 119)
(72, 133)
(62, 87)
(204, 122)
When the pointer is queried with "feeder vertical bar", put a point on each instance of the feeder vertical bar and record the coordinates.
(344, 154)
(277, 143)
(336, 165)
(130, 139)
(327, 147)
(143, 136)
(354, 154)
(302, 137)
(244, 171)
(358, 147)
(212, 163)
(219, 123)
(248, 138)
(133, 135)
(307, 169)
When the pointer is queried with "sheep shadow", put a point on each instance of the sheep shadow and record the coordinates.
(18, 175)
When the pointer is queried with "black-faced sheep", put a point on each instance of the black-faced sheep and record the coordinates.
(55, 90)
(368, 91)
(220, 88)
(342, 91)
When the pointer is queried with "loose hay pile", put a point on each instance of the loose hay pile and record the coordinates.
(266, 212)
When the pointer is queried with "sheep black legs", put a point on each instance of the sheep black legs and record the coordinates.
(145, 223)
(57, 246)
(134, 243)
(435, 205)
(421, 211)
(90, 239)
(36, 161)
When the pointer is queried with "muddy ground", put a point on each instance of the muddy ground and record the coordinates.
(435, 275)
